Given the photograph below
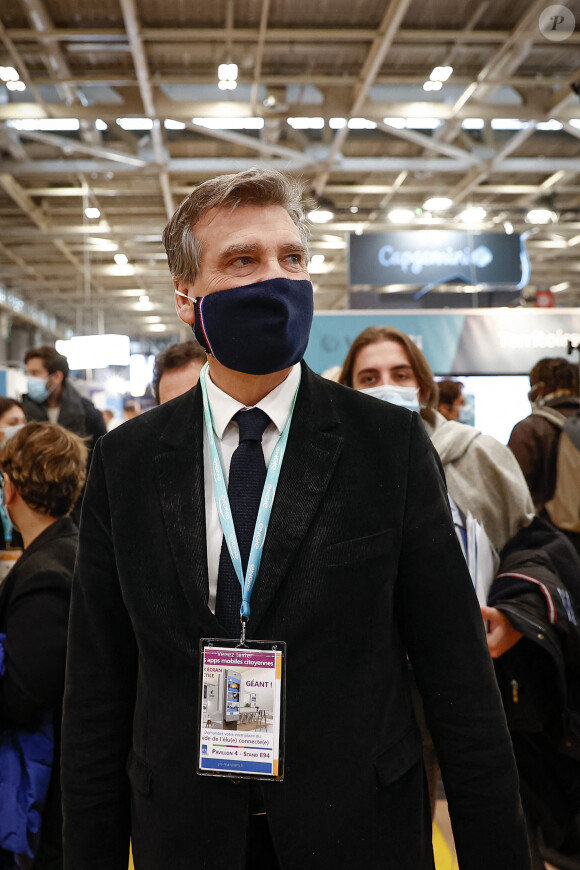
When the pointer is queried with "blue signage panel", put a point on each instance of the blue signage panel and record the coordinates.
(430, 257)
(494, 342)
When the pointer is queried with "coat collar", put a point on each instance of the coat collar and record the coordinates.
(314, 445)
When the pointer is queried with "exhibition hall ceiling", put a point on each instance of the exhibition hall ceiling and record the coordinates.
(112, 112)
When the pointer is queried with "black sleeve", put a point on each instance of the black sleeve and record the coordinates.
(35, 647)
(444, 635)
(99, 696)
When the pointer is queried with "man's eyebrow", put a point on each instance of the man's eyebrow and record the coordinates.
(240, 248)
(294, 247)
(252, 247)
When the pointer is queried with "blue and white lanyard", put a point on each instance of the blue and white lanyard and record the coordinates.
(223, 503)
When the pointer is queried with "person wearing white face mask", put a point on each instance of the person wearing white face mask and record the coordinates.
(482, 475)
(52, 398)
(452, 404)
(12, 417)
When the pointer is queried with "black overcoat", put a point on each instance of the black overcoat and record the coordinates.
(360, 567)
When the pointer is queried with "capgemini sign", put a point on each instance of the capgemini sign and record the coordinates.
(423, 257)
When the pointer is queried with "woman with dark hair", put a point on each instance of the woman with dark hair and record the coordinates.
(482, 474)
(12, 417)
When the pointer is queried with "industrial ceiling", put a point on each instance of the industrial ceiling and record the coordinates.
(117, 107)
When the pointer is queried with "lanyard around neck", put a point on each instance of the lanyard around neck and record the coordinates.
(223, 502)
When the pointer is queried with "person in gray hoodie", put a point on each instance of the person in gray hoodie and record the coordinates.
(483, 476)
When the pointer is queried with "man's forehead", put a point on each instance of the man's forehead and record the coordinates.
(232, 218)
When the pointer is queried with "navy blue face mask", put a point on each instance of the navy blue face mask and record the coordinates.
(257, 329)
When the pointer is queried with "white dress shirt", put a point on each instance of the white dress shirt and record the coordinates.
(277, 406)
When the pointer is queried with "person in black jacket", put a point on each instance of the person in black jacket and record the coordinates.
(43, 469)
(51, 397)
(534, 607)
(360, 566)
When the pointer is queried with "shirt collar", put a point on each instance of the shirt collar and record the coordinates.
(277, 404)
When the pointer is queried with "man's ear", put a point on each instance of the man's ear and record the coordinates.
(9, 489)
(184, 306)
(57, 378)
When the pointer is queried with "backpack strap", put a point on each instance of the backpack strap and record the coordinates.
(552, 415)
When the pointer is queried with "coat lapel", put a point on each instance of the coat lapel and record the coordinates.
(180, 483)
(313, 448)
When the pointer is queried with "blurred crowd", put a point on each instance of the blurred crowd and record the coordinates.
(515, 518)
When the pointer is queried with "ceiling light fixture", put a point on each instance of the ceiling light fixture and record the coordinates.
(508, 124)
(401, 215)
(230, 123)
(48, 125)
(441, 73)
(135, 123)
(121, 259)
(169, 124)
(316, 265)
(473, 215)
(422, 123)
(8, 74)
(549, 125)
(16, 86)
(437, 203)
(227, 75)
(361, 124)
(541, 216)
(92, 213)
(306, 123)
(473, 124)
(432, 86)
(320, 215)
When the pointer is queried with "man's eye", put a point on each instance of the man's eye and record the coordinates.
(243, 261)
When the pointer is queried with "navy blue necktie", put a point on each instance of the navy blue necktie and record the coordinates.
(245, 484)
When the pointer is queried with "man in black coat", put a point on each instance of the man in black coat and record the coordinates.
(360, 568)
(43, 469)
(51, 397)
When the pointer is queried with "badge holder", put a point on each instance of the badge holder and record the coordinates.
(242, 713)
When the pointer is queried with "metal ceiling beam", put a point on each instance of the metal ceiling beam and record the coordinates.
(275, 34)
(69, 145)
(23, 200)
(259, 53)
(428, 143)
(249, 142)
(129, 189)
(23, 70)
(55, 59)
(116, 79)
(9, 141)
(207, 166)
(142, 70)
(185, 110)
(394, 14)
